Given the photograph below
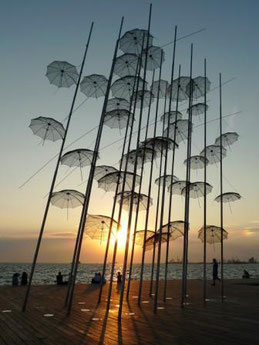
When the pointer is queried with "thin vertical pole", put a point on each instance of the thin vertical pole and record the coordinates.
(55, 174)
(205, 190)
(187, 191)
(135, 169)
(171, 187)
(140, 187)
(221, 193)
(129, 124)
(149, 187)
(91, 173)
(164, 182)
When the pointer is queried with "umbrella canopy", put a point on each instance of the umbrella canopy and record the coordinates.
(228, 139)
(197, 86)
(67, 198)
(198, 108)
(123, 87)
(159, 144)
(197, 189)
(47, 128)
(173, 116)
(77, 158)
(118, 118)
(153, 57)
(94, 85)
(117, 103)
(197, 162)
(102, 170)
(176, 229)
(180, 83)
(62, 74)
(126, 64)
(181, 129)
(97, 227)
(142, 198)
(142, 154)
(140, 234)
(213, 153)
(213, 234)
(159, 88)
(133, 40)
(154, 239)
(167, 178)
(228, 197)
(177, 187)
(109, 181)
(146, 95)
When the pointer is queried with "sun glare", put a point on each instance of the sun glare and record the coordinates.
(122, 235)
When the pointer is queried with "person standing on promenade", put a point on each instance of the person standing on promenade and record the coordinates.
(214, 271)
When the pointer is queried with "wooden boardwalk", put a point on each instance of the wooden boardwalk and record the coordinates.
(236, 321)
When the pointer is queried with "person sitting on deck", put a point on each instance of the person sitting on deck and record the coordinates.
(215, 271)
(24, 278)
(97, 278)
(246, 275)
(60, 279)
(15, 280)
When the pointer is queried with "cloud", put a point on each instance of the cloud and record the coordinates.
(62, 235)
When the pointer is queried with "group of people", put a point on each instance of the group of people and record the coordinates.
(24, 279)
(98, 279)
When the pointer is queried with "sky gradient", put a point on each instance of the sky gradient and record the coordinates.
(36, 33)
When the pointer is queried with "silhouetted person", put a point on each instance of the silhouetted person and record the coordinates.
(15, 280)
(24, 278)
(214, 271)
(60, 279)
(246, 274)
(97, 278)
(119, 278)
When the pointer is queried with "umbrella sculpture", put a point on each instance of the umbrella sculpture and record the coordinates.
(109, 182)
(181, 129)
(198, 108)
(197, 162)
(62, 74)
(97, 227)
(144, 96)
(141, 155)
(228, 139)
(197, 189)
(117, 118)
(213, 234)
(123, 87)
(94, 85)
(177, 90)
(47, 128)
(174, 115)
(154, 239)
(177, 187)
(117, 103)
(159, 144)
(133, 40)
(77, 158)
(153, 58)
(140, 235)
(67, 198)
(127, 195)
(228, 197)
(197, 87)
(102, 170)
(213, 153)
(159, 88)
(176, 229)
(126, 64)
(167, 178)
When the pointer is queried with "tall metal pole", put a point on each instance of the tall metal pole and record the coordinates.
(129, 124)
(55, 175)
(91, 173)
(140, 188)
(164, 181)
(187, 191)
(171, 187)
(149, 186)
(221, 192)
(135, 169)
(205, 190)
